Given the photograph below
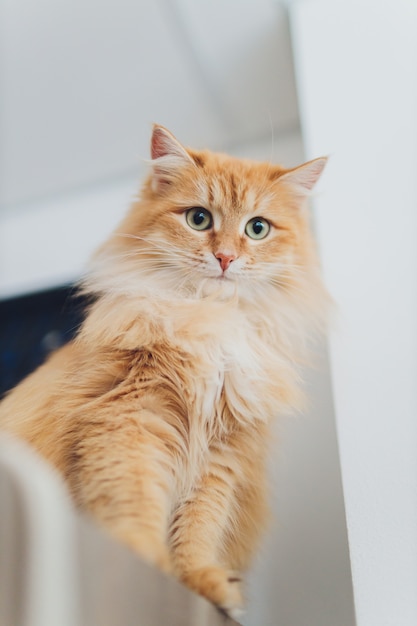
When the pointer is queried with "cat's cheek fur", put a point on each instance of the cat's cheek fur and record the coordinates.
(158, 413)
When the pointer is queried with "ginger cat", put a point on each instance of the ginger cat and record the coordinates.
(157, 413)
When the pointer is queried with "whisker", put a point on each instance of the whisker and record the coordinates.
(152, 256)
(158, 247)
(163, 245)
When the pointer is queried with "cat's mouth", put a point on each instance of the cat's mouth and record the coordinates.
(223, 277)
(215, 276)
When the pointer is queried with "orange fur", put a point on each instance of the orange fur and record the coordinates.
(157, 413)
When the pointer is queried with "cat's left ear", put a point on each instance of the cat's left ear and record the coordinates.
(168, 158)
(304, 177)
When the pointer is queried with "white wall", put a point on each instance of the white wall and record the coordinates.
(356, 65)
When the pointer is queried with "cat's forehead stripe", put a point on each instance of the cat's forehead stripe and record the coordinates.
(211, 196)
(232, 193)
(222, 191)
(228, 193)
(233, 190)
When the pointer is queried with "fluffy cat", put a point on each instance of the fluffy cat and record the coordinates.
(157, 413)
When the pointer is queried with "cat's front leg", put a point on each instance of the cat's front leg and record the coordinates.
(197, 538)
(121, 471)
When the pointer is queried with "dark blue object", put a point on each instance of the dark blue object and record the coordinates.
(32, 326)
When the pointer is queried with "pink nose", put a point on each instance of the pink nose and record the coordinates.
(224, 260)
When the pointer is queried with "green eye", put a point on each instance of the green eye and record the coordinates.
(199, 218)
(257, 228)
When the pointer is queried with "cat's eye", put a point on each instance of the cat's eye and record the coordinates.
(199, 218)
(257, 228)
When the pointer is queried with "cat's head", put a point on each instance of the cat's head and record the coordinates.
(207, 223)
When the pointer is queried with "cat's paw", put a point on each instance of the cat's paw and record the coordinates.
(220, 586)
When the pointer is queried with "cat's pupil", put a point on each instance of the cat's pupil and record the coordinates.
(198, 218)
(257, 227)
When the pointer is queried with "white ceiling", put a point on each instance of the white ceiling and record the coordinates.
(82, 81)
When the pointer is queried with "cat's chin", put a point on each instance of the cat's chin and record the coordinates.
(220, 286)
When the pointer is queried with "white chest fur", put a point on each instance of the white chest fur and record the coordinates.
(232, 365)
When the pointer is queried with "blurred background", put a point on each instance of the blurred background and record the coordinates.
(82, 81)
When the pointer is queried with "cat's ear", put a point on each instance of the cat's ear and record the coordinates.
(304, 177)
(168, 158)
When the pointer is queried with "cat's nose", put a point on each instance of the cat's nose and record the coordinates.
(224, 259)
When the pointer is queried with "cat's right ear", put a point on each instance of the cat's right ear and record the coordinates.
(303, 178)
(168, 158)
